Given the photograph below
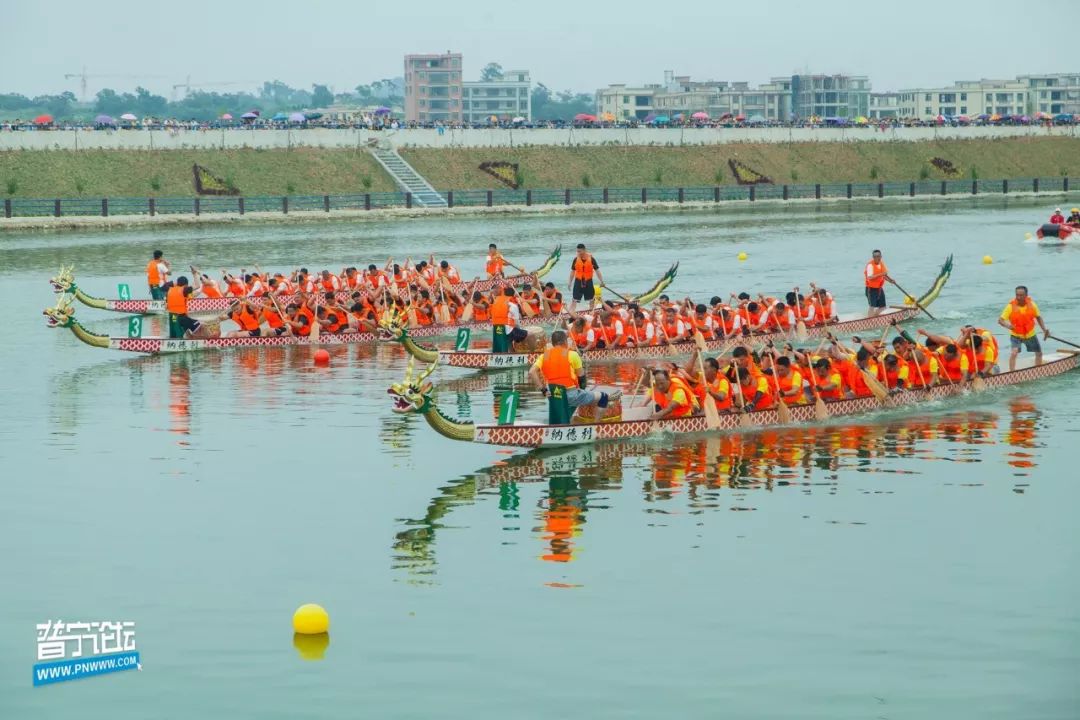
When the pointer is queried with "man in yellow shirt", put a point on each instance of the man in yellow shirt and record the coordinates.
(560, 366)
(1020, 317)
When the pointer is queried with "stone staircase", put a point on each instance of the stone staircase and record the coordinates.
(406, 177)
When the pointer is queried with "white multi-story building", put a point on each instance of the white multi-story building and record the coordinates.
(966, 97)
(884, 105)
(1052, 94)
(505, 97)
(626, 103)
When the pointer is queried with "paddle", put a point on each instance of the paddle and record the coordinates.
(977, 382)
(316, 326)
(467, 313)
(744, 419)
(443, 311)
(800, 325)
(783, 412)
(617, 294)
(913, 298)
(712, 415)
(876, 388)
(820, 411)
(1055, 337)
(637, 385)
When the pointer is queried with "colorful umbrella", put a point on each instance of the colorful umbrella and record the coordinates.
(297, 117)
(104, 120)
(518, 119)
(226, 116)
(128, 116)
(313, 116)
(740, 118)
(585, 117)
(649, 118)
(250, 115)
(382, 110)
(700, 116)
(279, 117)
(607, 117)
(43, 119)
(661, 119)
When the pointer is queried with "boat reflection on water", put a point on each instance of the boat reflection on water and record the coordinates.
(702, 474)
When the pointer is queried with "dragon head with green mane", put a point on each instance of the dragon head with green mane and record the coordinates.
(413, 394)
(62, 315)
(64, 281)
(393, 326)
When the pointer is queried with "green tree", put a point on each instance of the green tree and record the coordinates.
(146, 103)
(321, 96)
(491, 71)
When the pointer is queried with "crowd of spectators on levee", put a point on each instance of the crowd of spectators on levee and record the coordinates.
(389, 122)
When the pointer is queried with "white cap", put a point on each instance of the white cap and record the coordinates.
(1057, 210)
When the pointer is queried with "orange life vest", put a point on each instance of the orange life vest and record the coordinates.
(494, 264)
(832, 377)
(664, 399)
(500, 311)
(719, 385)
(787, 384)
(245, 320)
(272, 318)
(210, 289)
(1022, 318)
(481, 312)
(583, 269)
(556, 367)
(176, 301)
(874, 268)
(153, 277)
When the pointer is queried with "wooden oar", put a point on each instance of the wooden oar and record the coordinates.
(977, 382)
(616, 294)
(637, 385)
(444, 311)
(1055, 337)
(316, 326)
(876, 388)
(744, 419)
(712, 415)
(783, 412)
(913, 299)
(800, 325)
(821, 412)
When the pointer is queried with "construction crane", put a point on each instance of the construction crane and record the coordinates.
(83, 76)
(187, 85)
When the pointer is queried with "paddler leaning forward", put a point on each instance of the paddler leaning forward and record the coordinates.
(505, 315)
(560, 375)
(181, 325)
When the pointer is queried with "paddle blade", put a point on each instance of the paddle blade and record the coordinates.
(466, 314)
(699, 340)
(879, 390)
(820, 411)
(800, 331)
(316, 329)
(744, 421)
(978, 384)
(712, 415)
(783, 412)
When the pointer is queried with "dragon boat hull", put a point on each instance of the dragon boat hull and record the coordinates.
(540, 435)
(202, 306)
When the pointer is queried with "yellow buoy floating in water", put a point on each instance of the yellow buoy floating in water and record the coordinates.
(1027, 236)
(987, 260)
(310, 619)
(742, 256)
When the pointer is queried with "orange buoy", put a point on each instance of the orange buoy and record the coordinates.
(322, 357)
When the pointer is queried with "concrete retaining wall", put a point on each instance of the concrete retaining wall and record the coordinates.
(327, 138)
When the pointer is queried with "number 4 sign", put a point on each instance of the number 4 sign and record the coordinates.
(123, 291)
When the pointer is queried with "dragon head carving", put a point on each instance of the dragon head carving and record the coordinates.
(392, 326)
(64, 282)
(62, 315)
(413, 394)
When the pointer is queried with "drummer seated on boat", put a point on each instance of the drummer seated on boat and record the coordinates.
(1074, 218)
(560, 366)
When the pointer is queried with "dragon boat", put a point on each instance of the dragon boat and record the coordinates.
(64, 283)
(63, 316)
(628, 416)
(393, 329)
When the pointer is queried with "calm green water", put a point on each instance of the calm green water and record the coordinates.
(907, 566)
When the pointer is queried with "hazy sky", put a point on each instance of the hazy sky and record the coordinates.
(578, 45)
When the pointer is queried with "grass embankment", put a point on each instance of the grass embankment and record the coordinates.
(316, 171)
(824, 162)
(167, 173)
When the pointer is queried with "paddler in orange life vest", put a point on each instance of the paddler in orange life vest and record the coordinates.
(505, 316)
(181, 325)
(582, 270)
(449, 273)
(560, 366)
(207, 286)
(157, 275)
(1019, 317)
(495, 265)
(875, 274)
(672, 397)
(553, 299)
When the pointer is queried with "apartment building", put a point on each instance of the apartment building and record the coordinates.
(966, 97)
(1052, 94)
(434, 91)
(505, 97)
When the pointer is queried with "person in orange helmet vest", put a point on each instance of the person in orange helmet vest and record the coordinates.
(1020, 317)
(875, 274)
(582, 270)
(157, 275)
